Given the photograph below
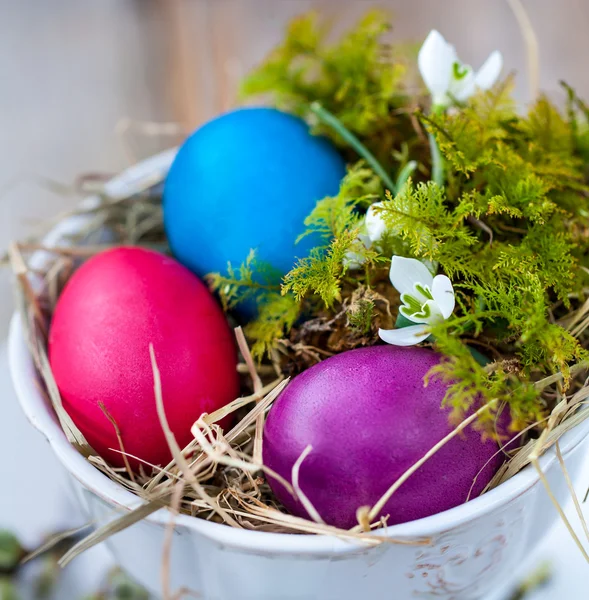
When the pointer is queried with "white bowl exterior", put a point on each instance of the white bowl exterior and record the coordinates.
(473, 548)
(465, 562)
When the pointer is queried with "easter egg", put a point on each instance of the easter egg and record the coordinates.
(368, 418)
(110, 311)
(247, 180)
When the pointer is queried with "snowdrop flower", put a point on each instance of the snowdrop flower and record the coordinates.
(375, 225)
(371, 232)
(425, 300)
(447, 78)
(355, 260)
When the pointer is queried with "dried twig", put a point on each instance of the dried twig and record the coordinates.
(120, 440)
(378, 507)
(532, 46)
(249, 361)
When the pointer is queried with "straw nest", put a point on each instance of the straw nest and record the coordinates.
(219, 476)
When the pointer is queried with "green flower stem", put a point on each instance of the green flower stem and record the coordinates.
(405, 173)
(437, 160)
(332, 121)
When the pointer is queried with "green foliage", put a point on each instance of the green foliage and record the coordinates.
(8, 589)
(510, 227)
(351, 76)
(276, 317)
(256, 282)
(511, 177)
(360, 315)
(251, 281)
(340, 224)
(514, 281)
(578, 118)
(472, 385)
(11, 551)
(359, 78)
(503, 229)
(332, 216)
(321, 272)
(420, 216)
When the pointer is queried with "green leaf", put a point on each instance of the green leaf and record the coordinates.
(11, 551)
(8, 590)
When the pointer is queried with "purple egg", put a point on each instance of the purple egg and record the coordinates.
(369, 417)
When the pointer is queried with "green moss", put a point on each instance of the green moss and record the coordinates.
(510, 225)
(360, 316)
(277, 314)
(360, 78)
(332, 216)
(340, 223)
(253, 280)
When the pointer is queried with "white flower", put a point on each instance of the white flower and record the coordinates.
(375, 225)
(447, 78)
(426, 300)
(355, 260)
(372, 230)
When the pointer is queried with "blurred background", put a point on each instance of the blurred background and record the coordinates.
(84, 82)
(73, 69)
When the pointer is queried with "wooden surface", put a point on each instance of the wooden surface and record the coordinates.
(223, 39)
(71, 69)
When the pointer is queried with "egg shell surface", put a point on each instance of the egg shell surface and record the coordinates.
(368, 418)
(111, 309)
(247, 180)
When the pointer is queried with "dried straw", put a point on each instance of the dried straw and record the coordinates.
(257, 382)
(571, 488)
(532, 47)
(220, 476)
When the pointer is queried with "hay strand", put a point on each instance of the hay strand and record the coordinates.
(556, 503)
(531, 44)
(379, 506)
(107, 531)
(572, 491)
(257, 382)
(220, 475)
(119, 439)
(301, 496)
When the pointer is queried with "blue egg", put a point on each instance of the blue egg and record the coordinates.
(244, 180)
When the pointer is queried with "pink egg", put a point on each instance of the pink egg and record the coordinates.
(113, 307)
(368, 418)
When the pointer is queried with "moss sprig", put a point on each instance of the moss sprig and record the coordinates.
(253, 280)
(361, 78)
(508, 222)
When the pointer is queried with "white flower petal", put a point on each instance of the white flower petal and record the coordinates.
(365, 239)
(434, 314)
(405, 336)
(353, 260)
(435, 60)
(443, 294)
(375, 225)
(406, 272)
(488, 74)
(463, 89)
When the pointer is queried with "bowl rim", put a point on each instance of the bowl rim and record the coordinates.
(40, 414)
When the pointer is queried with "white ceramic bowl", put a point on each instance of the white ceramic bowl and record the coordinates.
(473, 550)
